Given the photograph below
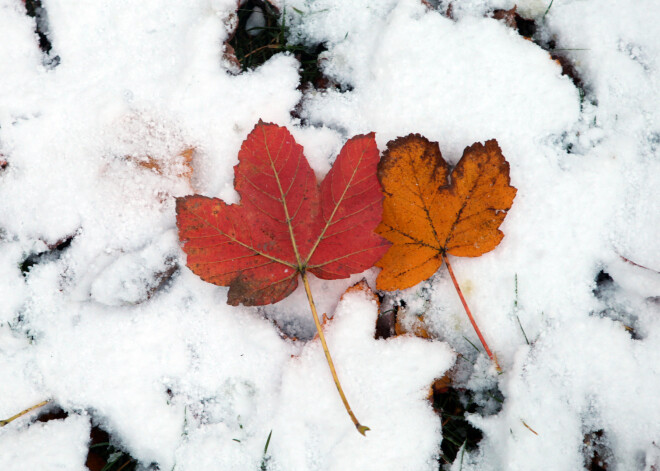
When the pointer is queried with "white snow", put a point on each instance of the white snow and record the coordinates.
(386, 382)
(118, 332)
(51, 446)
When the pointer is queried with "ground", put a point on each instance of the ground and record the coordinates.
(109, 110)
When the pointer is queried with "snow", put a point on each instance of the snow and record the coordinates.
(56, 445)
(118, 332)
(386, 383)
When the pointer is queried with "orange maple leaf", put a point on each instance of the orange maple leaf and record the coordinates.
(427, 214)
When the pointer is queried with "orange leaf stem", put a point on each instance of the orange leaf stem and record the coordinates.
(472, 321)
(360, 428)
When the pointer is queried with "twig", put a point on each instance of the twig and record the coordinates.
(636, 264)
(528, 427)
(125, 464)
(267, 46)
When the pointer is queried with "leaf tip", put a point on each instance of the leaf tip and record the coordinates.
(180, 201)
(263, 123)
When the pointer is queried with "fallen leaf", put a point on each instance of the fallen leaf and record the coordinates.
(415, 326)
(362, 287)
(385, 324)
(427, 214)
(396, 321)
(567, 68)
(230, 60)
(449, 12)
(187, 155)
(285, 223)
(507, 16)
(440, 385)
(526, 27)
(180, 167)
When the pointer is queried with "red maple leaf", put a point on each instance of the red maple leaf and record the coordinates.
(285, 223)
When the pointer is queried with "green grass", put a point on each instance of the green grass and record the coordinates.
(266, 456)
(458, 435)
(252, 49)
(103, 455)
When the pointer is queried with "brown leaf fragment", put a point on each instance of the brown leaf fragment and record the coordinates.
(161, 278)
(385, 324)
(427, 4)
(187, 155)
(596, 451)
(415, 326)
(439, 386)
(325, 320)
(362, 287)
(428, 213)
(449, 13)
(524, 26)
(231, 25)
(180, 167)
(397, 321)
(507, 16)
(567, 67)
(230, 59)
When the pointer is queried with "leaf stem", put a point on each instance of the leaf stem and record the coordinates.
(22, 413)
(469, 314)
(360, 428)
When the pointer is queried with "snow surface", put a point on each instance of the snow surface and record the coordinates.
(55, 445)
(119, 333)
